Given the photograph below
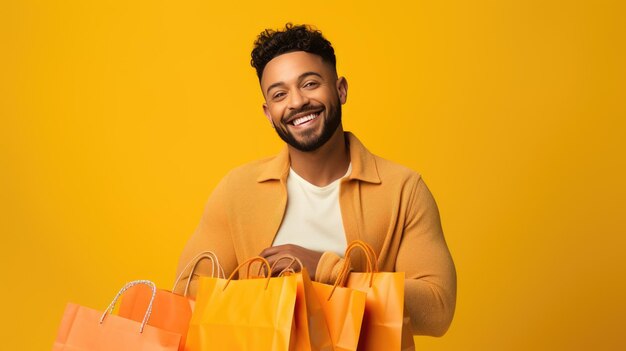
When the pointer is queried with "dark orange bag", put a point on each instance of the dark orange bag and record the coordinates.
(172, 312)
(85, 329)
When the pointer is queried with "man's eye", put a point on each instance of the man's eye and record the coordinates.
(310, 84)
(278, 95)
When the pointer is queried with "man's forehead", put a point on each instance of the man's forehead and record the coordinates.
(290, 66)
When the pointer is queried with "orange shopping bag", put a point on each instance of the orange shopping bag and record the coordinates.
(384, 307)
(244, 315)
(85, 329)
(343, 309)
(171, 311)
(311, 329)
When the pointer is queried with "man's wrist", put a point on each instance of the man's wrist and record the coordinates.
(328, 267)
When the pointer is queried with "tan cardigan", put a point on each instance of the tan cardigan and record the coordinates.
(382, 203)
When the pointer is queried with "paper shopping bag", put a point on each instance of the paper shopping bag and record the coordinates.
(311, 329)
(244, 315)
(170, 311)
(384, 307)
(343, 309)
(85, 329)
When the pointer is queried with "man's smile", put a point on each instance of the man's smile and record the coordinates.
(303, 118)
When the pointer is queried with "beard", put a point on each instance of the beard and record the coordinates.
(310, 142)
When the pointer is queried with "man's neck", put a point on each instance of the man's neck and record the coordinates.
(324, 165)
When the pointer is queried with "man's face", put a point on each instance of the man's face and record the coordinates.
(303, 99)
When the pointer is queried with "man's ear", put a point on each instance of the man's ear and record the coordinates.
(266, 112)
(342, 89)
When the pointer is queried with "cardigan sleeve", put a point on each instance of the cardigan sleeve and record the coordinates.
(212, 234)
(328, 267)
(430, 286)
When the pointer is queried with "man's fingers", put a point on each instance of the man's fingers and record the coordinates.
(308, 258)
(280, 265)
(276, 250)
(278, 268)
(278, 260)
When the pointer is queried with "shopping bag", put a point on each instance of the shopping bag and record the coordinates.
(85, 329)
(343, 309)
(311, 329)
(384, 307)
(216, 270)
(170, 311)
(244, 315)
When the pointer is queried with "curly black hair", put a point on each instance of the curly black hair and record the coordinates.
(271, 43)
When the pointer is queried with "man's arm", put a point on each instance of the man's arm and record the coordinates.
(430, 286)
(212, 234)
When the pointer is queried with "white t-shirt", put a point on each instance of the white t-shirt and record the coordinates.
(313, 216)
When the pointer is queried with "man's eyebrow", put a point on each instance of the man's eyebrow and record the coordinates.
(311, 73)
(303, 75)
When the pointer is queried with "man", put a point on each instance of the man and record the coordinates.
(325, 189)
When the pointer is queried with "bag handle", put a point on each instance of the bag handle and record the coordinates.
(194, 262)
(249, 261)
(289, 267)
(371, 259)
(370, 255)
(126, 287)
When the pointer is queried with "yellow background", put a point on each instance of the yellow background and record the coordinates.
(119, 117)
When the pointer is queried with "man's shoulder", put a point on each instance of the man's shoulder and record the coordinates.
(246, 185)
(373, 168)
(250, 172)
(392, 171)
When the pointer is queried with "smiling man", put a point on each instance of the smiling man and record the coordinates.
(326, 189)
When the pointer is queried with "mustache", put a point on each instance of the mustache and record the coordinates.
(302, 110)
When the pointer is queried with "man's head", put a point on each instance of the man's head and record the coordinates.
(296, 67)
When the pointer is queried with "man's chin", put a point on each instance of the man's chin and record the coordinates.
(306, 145)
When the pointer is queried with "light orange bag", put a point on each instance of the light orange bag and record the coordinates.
(384, 308)
(311, 329)
(171, 311)
(244, 315)
(85, 329)
(343, 309)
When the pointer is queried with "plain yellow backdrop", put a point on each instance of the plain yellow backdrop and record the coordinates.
(119, 117)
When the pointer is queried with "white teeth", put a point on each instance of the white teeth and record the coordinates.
(304, 119)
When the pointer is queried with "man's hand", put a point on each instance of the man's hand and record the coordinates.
(308, 258)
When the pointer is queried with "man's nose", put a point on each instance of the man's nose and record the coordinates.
(297, 100)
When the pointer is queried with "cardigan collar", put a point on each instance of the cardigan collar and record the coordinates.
(363, 164)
